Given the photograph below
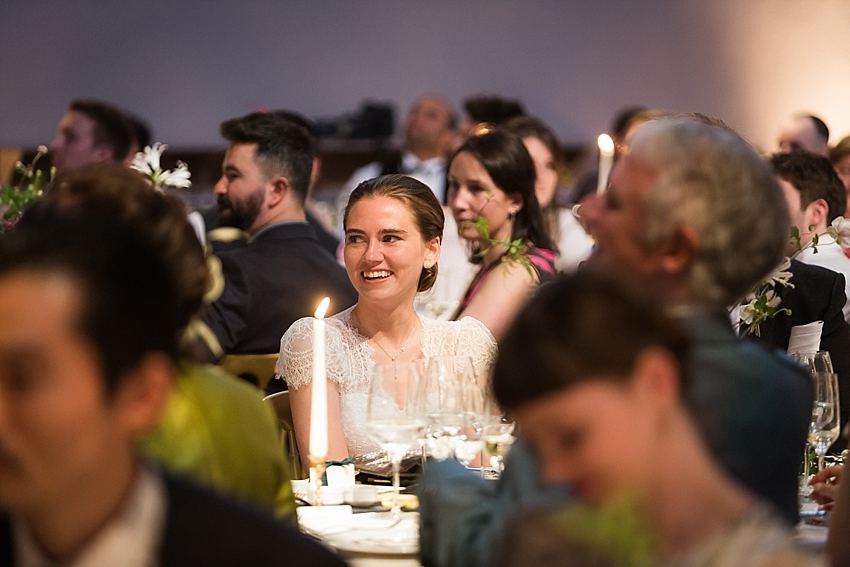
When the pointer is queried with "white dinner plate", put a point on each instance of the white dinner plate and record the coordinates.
(393, 541)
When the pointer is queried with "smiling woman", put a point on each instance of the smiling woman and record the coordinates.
(393, 227)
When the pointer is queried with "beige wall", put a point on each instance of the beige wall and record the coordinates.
(186, 65)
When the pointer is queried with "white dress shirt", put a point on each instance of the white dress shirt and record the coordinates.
(130, 539)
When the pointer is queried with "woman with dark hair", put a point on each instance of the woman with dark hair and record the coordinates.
(393, 227)
(574, 244)
(491, 193)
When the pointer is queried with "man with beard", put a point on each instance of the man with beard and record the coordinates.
(282, 273)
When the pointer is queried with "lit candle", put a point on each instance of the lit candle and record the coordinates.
(606, 160)
(319, 398)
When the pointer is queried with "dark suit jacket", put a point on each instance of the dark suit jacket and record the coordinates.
(274, 280)
(817, 295)
(753, 409)
(207, 531)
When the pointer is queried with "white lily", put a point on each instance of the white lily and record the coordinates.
(839, 230)
(177, 177)
(781, 274)
(148, 162)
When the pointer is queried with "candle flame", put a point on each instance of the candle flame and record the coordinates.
(322, 308)
(606, 144)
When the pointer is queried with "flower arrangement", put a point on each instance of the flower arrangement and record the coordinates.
(764, 303)
(14, 199)
(148, 163)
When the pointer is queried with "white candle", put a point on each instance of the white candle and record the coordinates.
(319, 398)
(606, 160)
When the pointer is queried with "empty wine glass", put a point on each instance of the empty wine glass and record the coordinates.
(814, 362)
(473, 394)
(824, 427)
(395, 419)
(443, 399)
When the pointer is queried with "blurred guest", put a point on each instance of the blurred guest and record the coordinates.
(804, 132)
(695, 215)
(840, 158)
(574, 245)
(283, 272)
(624, 123)
(491, 193)
(393, 226)
(91, 131)
(215, 430)
(482, 113)
(428, 130)
(87, 356)
(587, 387)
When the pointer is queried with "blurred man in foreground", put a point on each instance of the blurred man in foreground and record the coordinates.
(87, 357)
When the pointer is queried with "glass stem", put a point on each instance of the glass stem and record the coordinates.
(396, 462)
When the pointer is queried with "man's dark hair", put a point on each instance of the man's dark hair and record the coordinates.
(492, 109)
(111, 126)
(283, 147)
(814, 177)
(141, 132)
(820, 127)
(840, 150)
(127, 306)
(590, 326)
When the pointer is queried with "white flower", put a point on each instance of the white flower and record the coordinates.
(748, 310)
(780, 275)
(176, 178)
(840, 231)
(42, 149)
(148, 163)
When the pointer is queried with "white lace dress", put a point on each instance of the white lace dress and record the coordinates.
(351, 359)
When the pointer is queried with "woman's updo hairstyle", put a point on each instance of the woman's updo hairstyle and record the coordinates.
(418, 199)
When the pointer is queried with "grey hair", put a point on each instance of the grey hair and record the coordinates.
(714, 182)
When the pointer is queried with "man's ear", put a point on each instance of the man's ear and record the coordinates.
(141, 396)
(279, 190)
(815, 215)
(103, 152)
(657, 377)
(680, 250)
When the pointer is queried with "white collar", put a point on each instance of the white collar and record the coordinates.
(130, 539)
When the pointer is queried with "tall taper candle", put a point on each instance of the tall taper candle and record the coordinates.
(319, 398)
(606, 160)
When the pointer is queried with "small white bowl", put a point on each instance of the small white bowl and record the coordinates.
(332, 495)
(361, 495)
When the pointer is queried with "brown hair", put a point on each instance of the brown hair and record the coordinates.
(110, 188)
(419, 200)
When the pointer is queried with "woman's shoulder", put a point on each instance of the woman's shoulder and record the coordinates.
(466, 333)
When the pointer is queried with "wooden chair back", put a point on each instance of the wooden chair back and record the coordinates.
(283, 411)
(257, 369)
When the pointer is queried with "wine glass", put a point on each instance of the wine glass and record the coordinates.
(824, 427)
(497, 434)
(394, 417)
(814, 362)
(472, 386)
(443, 399)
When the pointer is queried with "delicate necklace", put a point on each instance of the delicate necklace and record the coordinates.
(404, 346)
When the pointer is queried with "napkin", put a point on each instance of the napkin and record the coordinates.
(341, 476)
(805, 338)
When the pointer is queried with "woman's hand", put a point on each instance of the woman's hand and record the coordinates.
(825, 485)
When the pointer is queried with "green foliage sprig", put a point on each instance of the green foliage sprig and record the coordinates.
(15, 198)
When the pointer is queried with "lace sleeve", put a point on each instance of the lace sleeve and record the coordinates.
(474, 338)
(295, 363)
